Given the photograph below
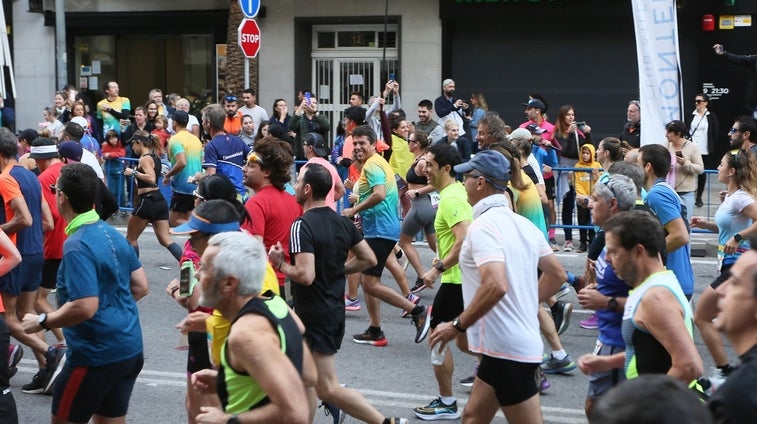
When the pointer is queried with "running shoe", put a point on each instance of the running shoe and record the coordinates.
(422, 322)
(591, 323)
(467, 381)
(437, 410)
(56, 359)
(15, 353)
(402, 258)
(553, 245)
(564, 290)
(371, 339)
(37, 384)
(418, 287)
(554, 366)
(568, 246)
(561, 315)
(395, 420)
(542, 382)
(583, 247)
(351, 305)
(413, 298)
(333, 411)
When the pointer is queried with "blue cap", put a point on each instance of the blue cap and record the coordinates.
(490, 163)
(197, 223)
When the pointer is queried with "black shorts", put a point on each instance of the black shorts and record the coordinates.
(182, 203)
(152, 207)
(513, 382)
(549, 185)
(50, 273)
(324, 339)
(382, 248)
(81, 392)
(725, 273)
(25, 277)
(198, 357)
(448, 304)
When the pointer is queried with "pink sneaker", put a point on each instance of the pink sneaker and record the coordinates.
(351, 305)
(591, 323)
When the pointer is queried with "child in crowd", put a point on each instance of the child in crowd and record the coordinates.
(161, 130)
(113, 150)
(584, 183)
(51, 121)
(248, 131)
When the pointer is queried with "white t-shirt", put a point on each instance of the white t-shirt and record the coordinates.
(259, 115)
(535, 166)
(90, 159)
(510, 330)
(699, 127)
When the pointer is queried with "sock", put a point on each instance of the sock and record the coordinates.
(417, 310)
(175, 250)
(448, 400)
(559, 354)
(374, 330)
(136, 249)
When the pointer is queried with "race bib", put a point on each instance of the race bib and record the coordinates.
(434, 199)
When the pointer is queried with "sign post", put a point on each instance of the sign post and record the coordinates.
(248, 35)
(250, 8)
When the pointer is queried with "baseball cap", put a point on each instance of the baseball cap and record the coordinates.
(81, 121)
(535, 129)
(29, 135)
(180, 117)
(200, 223)
(489, 163)
(43, 148)
(70, 150)
(520, 133)
(535, 103)
(316, 140)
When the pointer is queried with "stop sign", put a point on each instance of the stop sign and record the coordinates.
(249, 37)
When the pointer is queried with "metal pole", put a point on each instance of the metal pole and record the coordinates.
(246, 72)
(61, 58)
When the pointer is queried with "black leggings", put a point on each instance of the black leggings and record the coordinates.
(8, 413)
(568, 203)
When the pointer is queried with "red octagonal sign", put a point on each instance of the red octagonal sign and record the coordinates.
(249, 38)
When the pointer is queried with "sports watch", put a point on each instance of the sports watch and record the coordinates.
(612, 304)
(440, 266)
(738, 237)
(232, 420)
(456, 325)
(41, 321)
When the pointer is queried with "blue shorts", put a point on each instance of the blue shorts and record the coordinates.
(25, 277)
(81, 392)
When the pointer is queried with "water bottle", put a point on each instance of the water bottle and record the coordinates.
(437, 354)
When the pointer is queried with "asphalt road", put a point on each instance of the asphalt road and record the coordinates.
(395, 378)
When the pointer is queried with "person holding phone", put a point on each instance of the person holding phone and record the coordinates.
(306, 119)
(688, 163)
(750, 60)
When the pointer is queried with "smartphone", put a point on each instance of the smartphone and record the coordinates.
(679, 154)
(391, 76)
(186, 279)
(307, 96)
(580, 124)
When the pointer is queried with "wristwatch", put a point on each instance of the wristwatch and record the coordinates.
(41, 321)
(456, 325)
(233, 420)
(612, 304)
(738, 237)
(440, 266)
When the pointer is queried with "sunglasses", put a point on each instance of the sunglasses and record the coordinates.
(54, 189)
(197, 195)
(230, 98)
(698, 101)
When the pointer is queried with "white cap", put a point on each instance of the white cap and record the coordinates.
(81, 121)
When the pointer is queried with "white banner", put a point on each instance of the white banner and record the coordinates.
(660, 81)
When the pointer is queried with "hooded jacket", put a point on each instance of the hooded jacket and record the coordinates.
(584, 181)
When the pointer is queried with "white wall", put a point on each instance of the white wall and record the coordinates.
(420, 45)
(33, 64)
